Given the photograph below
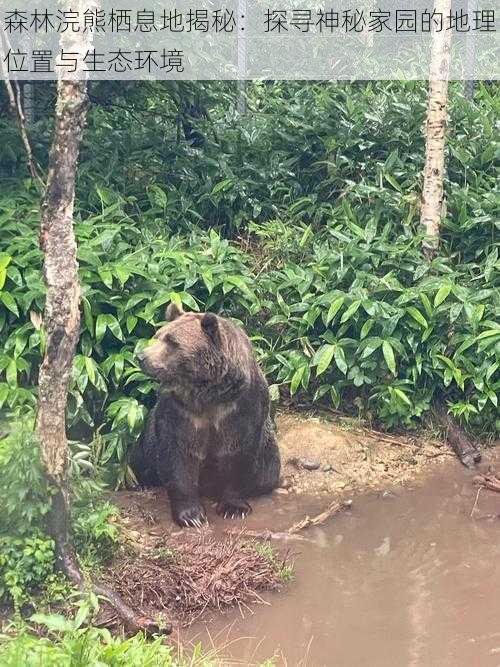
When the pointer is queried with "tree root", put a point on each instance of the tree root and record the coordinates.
(464, 448)
(292, 532)
(67, 562)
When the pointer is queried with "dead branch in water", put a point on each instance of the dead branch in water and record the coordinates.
(488, 481)
(291, 533)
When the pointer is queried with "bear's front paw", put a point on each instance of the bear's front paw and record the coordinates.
(191, 517)
(233, 509)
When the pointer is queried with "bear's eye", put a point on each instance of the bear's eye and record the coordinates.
(170, 341)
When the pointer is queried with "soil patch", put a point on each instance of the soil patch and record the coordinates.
(321, 457)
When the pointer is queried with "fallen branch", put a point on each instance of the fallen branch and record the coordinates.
(491, 482)
(459, 441)
(291, 533)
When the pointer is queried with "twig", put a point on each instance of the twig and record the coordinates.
(17, 110)
(291, 533)
(475, 502)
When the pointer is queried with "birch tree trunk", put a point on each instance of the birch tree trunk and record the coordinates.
(433, 206)
(62, 320)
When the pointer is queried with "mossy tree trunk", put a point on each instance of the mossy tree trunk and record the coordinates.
(433, 205)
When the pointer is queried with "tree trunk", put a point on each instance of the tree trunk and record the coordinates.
(432, 207)
(62, 324)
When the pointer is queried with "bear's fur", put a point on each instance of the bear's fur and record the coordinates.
(210, 431)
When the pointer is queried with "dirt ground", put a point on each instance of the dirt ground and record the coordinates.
(322, 460)
(347, 459)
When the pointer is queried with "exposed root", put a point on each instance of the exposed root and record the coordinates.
(133, 621)
(460, 442)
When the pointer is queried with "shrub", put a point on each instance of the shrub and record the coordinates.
(27, 555)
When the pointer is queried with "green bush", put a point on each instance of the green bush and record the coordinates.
(85, 647)
(27, 554)
(322, 183)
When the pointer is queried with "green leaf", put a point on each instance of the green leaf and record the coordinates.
(389, 356)
(442, 295)
(11, 374)
(340, 360)
(390, 179)
(221, 186)
(334, 308)
(350, 311)
(114, 327)
(488, 333)
(371, 345)
(296, 379)
(106, 276)
(417, 316)
(90, 368)
(5, 260)
(100, 327)
(426, 304)
(132, 414)
(87, 316)
(131, 321)
(324, 359)
(402, 396)
(54, 622)
(8, 301)
(366, 328)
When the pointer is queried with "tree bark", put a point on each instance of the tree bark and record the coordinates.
(62, 325)
(433, 205)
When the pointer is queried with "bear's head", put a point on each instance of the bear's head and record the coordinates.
(186, 352)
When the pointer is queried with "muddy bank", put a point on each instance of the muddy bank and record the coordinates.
(322, 463)
(322, 457)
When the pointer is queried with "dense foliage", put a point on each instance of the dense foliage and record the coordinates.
(26, 552)
(300, 220)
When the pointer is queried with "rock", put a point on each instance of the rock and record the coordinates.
(327, 468)
(285, 483)
(281, 491)
(308, 464)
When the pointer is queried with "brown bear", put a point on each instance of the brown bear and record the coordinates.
(210, 431)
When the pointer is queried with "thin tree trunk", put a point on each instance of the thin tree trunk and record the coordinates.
(16, 108)
(432, 207)
(62, 325)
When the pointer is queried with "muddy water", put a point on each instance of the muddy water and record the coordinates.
(404, 579)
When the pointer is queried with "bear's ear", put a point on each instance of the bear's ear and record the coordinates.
(173, 312)
(210, 326)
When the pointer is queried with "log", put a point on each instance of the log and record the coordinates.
(457, 438)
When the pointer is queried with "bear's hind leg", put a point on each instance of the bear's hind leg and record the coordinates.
(265, 468)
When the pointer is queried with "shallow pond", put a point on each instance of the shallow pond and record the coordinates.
(408, 578)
